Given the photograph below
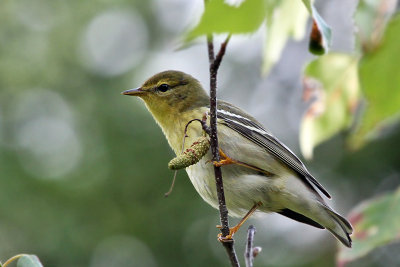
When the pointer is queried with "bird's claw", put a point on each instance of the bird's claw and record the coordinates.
(225, 239)
(229, 237)
(225, 160)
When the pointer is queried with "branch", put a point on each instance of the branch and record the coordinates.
(248, 254)
(251, 252)
(215, 62)
(210, 46)
(221, 53)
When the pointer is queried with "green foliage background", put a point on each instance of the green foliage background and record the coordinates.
(83, 170)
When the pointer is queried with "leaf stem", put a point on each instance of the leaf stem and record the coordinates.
(13, 258)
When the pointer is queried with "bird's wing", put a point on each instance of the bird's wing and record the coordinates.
(249, 128)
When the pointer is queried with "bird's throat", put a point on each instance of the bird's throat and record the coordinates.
(173, 127)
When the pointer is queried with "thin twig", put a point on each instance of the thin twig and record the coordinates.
(206, 129)
(172, 185)
(248, 254)
(210, 46)
(223, 211)
(204, 126)
(221, 53)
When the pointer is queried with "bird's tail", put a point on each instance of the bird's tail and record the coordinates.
(340, 227)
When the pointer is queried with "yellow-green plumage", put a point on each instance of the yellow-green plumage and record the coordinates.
(174, 98)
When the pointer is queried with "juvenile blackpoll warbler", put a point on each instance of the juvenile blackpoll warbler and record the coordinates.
(264, 174)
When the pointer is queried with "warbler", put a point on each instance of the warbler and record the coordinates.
(259, 172)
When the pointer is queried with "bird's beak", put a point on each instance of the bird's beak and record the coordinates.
(134, 92)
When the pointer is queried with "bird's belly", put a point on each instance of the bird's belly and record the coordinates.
(242, 188)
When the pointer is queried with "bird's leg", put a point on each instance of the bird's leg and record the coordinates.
(225, 160)
(236, 228)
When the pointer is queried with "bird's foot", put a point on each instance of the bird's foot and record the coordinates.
(229, 237)
(225, 160)
(236, 228)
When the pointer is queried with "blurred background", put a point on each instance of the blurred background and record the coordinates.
(83, 169)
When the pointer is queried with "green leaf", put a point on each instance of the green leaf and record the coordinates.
(371, 19)
(220, 17)
(320, 36)
(29, 261)
(289, 19)
(332, 82)
(375, 223)
(380, 81)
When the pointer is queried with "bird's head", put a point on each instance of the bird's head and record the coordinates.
(170, 92)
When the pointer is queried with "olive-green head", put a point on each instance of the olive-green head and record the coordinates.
(170, 92)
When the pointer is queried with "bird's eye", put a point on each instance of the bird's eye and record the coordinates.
(163, 87)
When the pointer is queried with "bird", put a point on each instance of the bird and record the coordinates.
(260, 173)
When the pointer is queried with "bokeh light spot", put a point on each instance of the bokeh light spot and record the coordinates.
(44, 136)
(37, 15)
(114, 42)
(184, 11)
